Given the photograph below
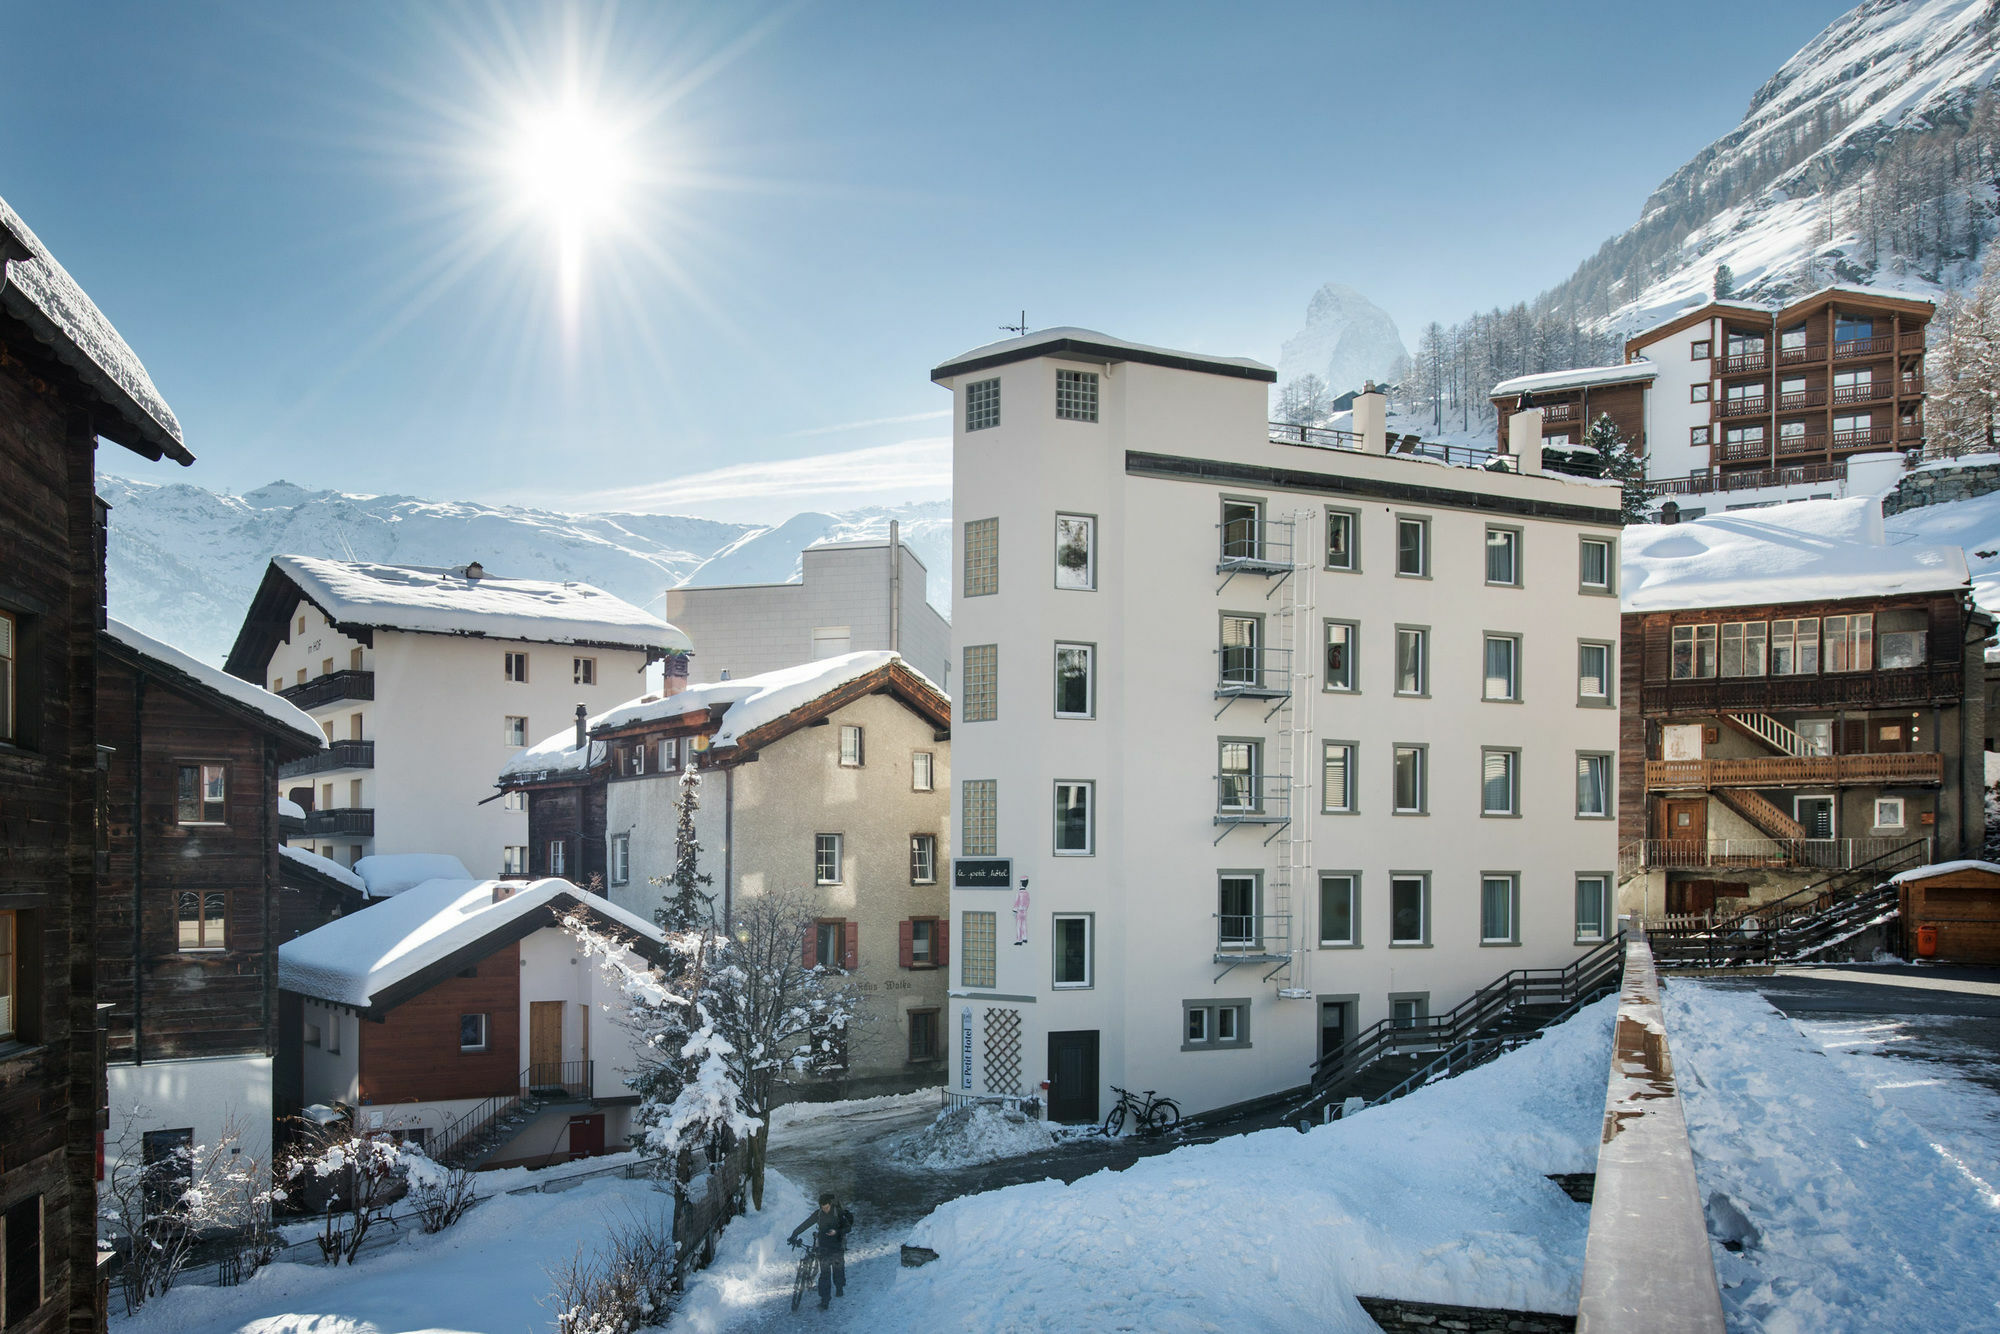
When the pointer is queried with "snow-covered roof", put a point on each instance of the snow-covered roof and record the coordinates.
(388, 873)
(40, 292)
(354, 959)
(278, 710)
(447, 601)
(1942, 868)
(290, 810)
(1093, 345)
(1576, 379)
(1864, 292)
(1806, 551)
(325, 866)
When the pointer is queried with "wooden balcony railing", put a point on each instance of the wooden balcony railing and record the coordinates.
(1910, 431)
(1861, 393)
(1786, 771)
(1692, 854)
(1807, 442)
(351, 821)
(1846, 349)
(331, 689)
(1801, 353)
(1802, 398)
(1742, 363)
(1874, 436)
(1939, 683)
(1909, 386)
(1734, 451)
(1744, 407)
(1560, 412)
(1913, 342)
(1703, 483)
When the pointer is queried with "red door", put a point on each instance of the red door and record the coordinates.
(586, 1136)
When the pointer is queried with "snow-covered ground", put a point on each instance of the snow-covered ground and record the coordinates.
(977, 1134)
(1857, 1206)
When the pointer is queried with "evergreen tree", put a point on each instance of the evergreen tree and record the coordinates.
(1725, 282)
(1621, 463)
(687, 908)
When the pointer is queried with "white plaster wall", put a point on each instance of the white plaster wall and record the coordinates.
(332, 1070)
(206, 1095)
(1669, 414)
(553, 970)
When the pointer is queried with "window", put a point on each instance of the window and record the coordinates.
(830, 942)
(1409, 909)
(1593, 895)
(1337, 910)
(1209, 1025)
(354, 660)
(1793, 337)
(1698, 392)
(1236, 785)
(1076, 396)
(1341, 553)
(312, 1035)
(1409, 1011)
(982, 557)
(1851, 328)
(979, 815)
(1743, 648)
(923, 859)
(1888, 812)
(1850, 643)
(826, 859)
(1242, 530)
(9, 674)
(1409, 780)
(22, 1262)
(630, 758)
(1739, 439)
(10, 965)
(1413, 548)
(1075, 681)
(982, 405)
(1072, 951)
(1503, 656)
(982, 682)
(621, 859)
(1594, 565)
(976, 949)
(1499, 916)
(1593, 787)
(202, 919)
(558, 856)
(924, 1023)
(1240, 640)
(1075, 834)
(921, 770)
(516, 666)
(1196, 1025)
(1340, 646)
(1698, 349)
(831, 641)
(1593, 674)
(1499, 782)
(515, 730)
(1693, 652)
(1076, 552)
(472, 1032)
(1852, 429)
(670, 755)
(168, 1157)
(1902, 648)
(202, 794)
(1237, 925)
(583, 671)
(1412, 665)
(1503, 557)
(851, 756)
(925, 944)
(1795, 647)
(1337, 776)
(514, 859)
(1700, 436)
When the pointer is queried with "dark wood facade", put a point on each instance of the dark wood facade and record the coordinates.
(1962, 909)
(1568, 414)
(412, 1054)
(574, 812)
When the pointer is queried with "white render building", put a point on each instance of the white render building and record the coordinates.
(425, 681)
(1283, 737)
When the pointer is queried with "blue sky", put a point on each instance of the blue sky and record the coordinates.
(307, 222)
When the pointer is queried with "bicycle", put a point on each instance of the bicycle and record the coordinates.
(808, 1275)
(1154, 1116)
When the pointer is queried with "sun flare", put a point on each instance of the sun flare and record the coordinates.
(571, 166)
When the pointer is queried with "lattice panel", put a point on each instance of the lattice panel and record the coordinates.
(1003, 1051)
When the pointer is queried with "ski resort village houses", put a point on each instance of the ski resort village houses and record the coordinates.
(461, 1015)
(1801, 702)
(829, 779)
(66, 380)
(1741, 404)
(424, 681)
(851, 597)
(1264, 734)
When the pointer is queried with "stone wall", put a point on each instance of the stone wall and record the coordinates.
(1401, 1317)
(1938, 486)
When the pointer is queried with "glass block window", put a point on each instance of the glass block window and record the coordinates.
(980, 683)
(982, 405)
(979, 800)
(976, 949)
(1076, 396)
(982, 557)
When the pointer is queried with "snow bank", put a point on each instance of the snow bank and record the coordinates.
(325, 866)
(278, 710)
(798, 1115)
(980, 1133)
(389, 873)
(1848, 1216)
(290, 810)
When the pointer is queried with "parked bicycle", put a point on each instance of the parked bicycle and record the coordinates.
(1150, 1115)
(808, 1275)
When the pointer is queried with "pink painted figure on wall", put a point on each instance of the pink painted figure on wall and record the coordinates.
(1021, 914)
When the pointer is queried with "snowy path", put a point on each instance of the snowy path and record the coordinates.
(1849, 1215)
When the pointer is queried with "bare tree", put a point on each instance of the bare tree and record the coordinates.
(1304, 401)
(352, 1177)
(153, 1214)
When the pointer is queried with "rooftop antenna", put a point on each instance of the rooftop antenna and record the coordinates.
(1021, 328)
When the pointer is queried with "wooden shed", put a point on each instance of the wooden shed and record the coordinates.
(1961, 900)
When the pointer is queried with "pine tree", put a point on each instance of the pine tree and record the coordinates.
(1725, 282)
(687, 908)
(1622, 463)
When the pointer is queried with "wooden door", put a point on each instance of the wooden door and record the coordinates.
(1687, 822)
(1690, 896)
(586, 1135)
(545, 1028)
(1073, 1077)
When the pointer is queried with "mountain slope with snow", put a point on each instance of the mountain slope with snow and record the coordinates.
(1347, 340)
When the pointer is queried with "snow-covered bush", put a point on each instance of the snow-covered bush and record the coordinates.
(626, 1285)
(360, 1174)
(440, 1194)
(153, 1214)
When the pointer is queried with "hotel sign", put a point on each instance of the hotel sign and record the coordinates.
(982, 873)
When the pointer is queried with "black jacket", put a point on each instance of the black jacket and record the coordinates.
(832, 1230)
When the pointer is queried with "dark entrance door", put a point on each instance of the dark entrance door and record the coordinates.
(586, 1136)
(1073, 1076)
(1332, 1027)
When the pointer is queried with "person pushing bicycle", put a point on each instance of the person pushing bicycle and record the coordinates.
(830, 1243)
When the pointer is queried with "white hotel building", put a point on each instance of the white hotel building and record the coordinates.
(1283, 738)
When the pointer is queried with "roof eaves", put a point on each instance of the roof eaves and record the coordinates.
(1085, 349)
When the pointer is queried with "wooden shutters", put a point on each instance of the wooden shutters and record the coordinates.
(904, 931)
(850, 942)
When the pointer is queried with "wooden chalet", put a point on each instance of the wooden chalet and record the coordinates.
(1572, 401)
(66, 380)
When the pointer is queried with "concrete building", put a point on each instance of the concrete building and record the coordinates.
(424, 681)
(829, 779)
(854, 597)
(1262, 735)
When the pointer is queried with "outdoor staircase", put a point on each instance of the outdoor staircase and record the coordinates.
(1387, 1059)
(1763, 727)
(491, 1126)
(1802, 925)
(1759, 811)
(492, 1132)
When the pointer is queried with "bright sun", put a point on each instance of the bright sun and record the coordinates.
(569, 164)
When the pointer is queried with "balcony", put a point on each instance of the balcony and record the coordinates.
(1801, 353)
(342, 821)
(337, 755)
(1690, 854)
(1913, 342)
(1561, 412)
(1875, 437)
(1253, 673)
(1804, 771)
(331, 689)
(1260, 546)
(1252, 799)
(1847, 349)
(1802, 398)
(1938, 683)
(1706, 482)
(1909, 386)
(1802, 442)
(1744, 407)
(1241, 939)
(1862, 393)
(1910, 432)
(1742, 363)
(1736, 451)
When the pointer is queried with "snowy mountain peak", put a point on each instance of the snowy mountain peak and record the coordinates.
(1347, 339)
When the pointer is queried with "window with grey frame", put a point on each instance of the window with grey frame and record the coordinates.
(1409, 909)
(1499, 782)
(1593, 674)
(1342, 668)
(1412, 660)
(1237, 786)
(1503, 557)
(1593, 907)
(1073, 969)
(1214, 1024)
(1241, 650)
(1594, 564)
(1413, 548)
(1503, 669)
(1076, 395)
(1339, 909)
(1409, 780)
(1075, 834)
(1342, 529)
(1076, 695)
(982, 405)
(1499, 908)
(1593, 786)
(1239, 896)
(1336, 784)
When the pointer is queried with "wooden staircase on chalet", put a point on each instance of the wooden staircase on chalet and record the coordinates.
(1759, 811)
(1763, 728)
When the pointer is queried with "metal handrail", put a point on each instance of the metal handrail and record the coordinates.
(348, 683)
(1252, 934)
(1253, 671)
(1249, 798)
(572, 1078)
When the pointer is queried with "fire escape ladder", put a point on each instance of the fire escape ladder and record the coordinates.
(1295, 742)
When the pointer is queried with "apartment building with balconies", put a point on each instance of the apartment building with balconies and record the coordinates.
(1263, 734)
(424, 682)
(1802, 702)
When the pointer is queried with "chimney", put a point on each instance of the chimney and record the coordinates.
(475, 571)
(674, 675)
(1524, 440)
(581, 714)
(1371, 419)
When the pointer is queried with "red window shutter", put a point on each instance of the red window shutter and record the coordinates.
(903, 934)
(853, 935)
(943, 942)
(812, 946)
